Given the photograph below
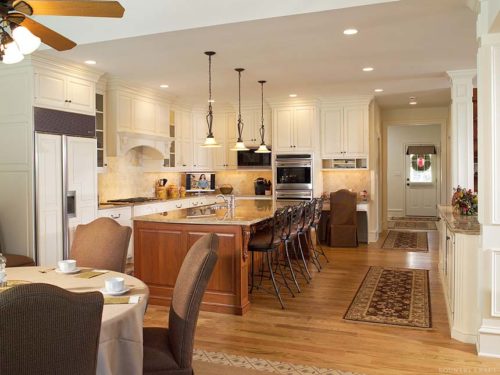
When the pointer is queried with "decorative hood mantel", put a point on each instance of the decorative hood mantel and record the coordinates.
(128, 141)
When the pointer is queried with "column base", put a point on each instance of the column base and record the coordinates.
(488, 340)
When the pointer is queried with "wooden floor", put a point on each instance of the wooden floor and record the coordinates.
(311, 330)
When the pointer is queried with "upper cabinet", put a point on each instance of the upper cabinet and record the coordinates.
(294, 128)
(252, 119)
(64, 92)
(225, 132)
(344, 131)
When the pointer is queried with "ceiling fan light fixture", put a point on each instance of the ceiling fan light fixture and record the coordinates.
(11, 53)
(27, 42)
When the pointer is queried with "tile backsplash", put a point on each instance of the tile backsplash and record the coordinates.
(125, 178)
(353, 180)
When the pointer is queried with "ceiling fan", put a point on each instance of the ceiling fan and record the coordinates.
(26, 34)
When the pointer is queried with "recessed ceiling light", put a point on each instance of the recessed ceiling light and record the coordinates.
(164, 86)
(379, 90)
(292, 95)
(350, 32)
(413, 102)
(90, 62)
(368, 69)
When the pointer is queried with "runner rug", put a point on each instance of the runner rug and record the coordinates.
(393, 296)
(415, 218)
(219, 363)
(409, 241)
(412, 225)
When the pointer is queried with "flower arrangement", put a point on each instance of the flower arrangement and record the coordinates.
(464, 201)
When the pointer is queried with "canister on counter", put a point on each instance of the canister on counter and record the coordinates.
(172, 191)
(161, 192)
(182, 192)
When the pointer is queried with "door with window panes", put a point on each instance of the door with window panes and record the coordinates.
(422, 169)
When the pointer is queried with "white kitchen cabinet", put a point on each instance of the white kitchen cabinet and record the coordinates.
(225, 132)
(184, 157)
(344, 131)
(143, 115)
(123, 216)
(64, 92)
(294, 128)
(252, 123)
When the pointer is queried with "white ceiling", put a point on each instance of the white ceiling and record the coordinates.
(410, 43)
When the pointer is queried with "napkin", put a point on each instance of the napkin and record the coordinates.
(121, 300)
(91, 274)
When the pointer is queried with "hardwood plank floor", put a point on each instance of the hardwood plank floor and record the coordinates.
(311, 330)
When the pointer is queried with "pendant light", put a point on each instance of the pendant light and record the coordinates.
(210, 140)
(262, 148)
(240, 145)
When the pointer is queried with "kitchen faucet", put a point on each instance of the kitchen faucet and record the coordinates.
(228, 200)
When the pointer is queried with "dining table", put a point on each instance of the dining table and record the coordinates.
(120, 342)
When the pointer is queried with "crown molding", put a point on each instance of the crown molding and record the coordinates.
(58, 65)
(117, 83)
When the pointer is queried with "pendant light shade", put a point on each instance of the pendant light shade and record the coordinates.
(210, 140)
(240, 145)
(262, 148)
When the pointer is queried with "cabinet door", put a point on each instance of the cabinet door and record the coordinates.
(355, 131)
(202, 157)
(143, 115)
(162, 126)
(50, 90)
(200, 127)
(331, 133)
(303, 124)
(283, 129)
(186, 154)
(124, 112)
(249, 135)
(80, 94)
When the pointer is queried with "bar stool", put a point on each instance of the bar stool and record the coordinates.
(267, 242)
(305, 232)
(296, 218)
(317, 247)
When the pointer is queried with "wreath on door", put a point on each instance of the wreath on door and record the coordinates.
(420, 163)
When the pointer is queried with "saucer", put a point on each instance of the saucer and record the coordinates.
(76, 270)
(107, 293)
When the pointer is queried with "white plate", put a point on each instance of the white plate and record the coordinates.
(106, 293)
(76, 270)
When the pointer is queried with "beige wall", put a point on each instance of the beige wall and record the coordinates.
(417, 116)
(351, 180)
(241, 181)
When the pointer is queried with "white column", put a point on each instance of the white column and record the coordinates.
(488, 64)
(462, 137)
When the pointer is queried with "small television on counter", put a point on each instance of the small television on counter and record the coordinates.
(199, 182)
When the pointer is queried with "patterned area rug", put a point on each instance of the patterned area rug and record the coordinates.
(393, 296)
(415, 218)
(252, 365)
(409, 241)
(412, 225)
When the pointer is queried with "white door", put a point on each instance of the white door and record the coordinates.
(355, 131)
(49, 209)
(421, 185)
(82, 180)
(331, 133)
(303, 126)
(81, 95)
(283, 129)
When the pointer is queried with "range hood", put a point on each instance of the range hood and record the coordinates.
(128, 141)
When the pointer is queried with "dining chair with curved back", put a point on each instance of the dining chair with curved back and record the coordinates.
(101, 244)
(343, 219)
(47, 330)
(170, 350)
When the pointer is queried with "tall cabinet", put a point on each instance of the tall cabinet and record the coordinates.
(35, 82)
(294, 127)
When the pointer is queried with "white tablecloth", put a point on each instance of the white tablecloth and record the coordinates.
(120, 343)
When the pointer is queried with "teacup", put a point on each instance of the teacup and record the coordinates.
(68, 265)
(114, 284)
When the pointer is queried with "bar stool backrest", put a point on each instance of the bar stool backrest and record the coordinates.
(318, 208)
(308, 214)
(297, 217)
(280, 225)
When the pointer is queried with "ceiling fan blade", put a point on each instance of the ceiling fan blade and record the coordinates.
(84, 8)
(48, 36)
(16, 18)
(23, 7)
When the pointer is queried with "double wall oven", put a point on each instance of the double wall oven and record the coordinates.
(294, 176)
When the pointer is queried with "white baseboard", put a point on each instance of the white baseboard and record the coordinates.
(372, 236)
(463, 337)
(488, 342)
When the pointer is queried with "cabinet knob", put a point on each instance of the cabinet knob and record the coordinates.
(117, 216)
(178, 205)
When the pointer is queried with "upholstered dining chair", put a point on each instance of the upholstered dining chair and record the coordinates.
(102, 244)
(47, 330)
(14, 260)
(343, 219)
(169, 351)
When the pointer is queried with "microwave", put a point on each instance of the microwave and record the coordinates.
(251, 159)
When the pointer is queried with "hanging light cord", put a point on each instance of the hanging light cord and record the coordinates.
(240, 121)
(262, 130)
(210, 116)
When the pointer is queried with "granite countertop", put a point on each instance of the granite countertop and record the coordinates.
(460, 223)
(107, 205)
(246, 212)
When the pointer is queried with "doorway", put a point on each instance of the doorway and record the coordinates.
(421, 191)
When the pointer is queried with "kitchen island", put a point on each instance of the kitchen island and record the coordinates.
(161, 241)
